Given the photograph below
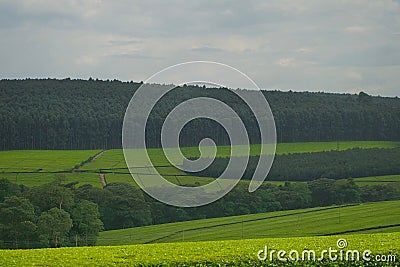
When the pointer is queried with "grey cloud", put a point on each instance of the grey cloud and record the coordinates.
(124, 42)
(207, 49)
(322, 39)
(12, 16)
(134, 56)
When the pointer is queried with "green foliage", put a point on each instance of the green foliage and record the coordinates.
(379, 192)
(327, 191)
(293, 196)
(51, 195)
(121, 205)
(127, 207)
(45, 223)
(214, 253)
(86, 223)
(17, 222)
(53, 227)
(322, 191)
(8, 189)
(347, 192)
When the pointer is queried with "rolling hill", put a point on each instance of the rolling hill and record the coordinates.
(305, 222)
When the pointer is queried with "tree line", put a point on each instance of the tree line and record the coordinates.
(88, 114)
(59, 214)
(351, 163)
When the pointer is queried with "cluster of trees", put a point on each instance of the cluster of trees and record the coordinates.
(58, 214)
(88, 114)
(46, 216)
(334, 164)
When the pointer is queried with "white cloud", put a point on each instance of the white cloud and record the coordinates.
(354, 75)
(355, 29)
(286, 62)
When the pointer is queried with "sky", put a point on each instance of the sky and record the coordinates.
(343, 46)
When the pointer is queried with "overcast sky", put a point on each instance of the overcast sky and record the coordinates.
(334, 46)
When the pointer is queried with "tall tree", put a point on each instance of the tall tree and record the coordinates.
(17, 222)
(51, 195)
(86, 223)
(127, 207)
(8, 189)
(53, 227)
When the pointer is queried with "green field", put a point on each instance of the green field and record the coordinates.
(43, 160)
(211, 253)
(42, 165)
(114, 158)
(304, 222)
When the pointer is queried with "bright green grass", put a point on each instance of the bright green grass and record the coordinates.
(37, 179)
(212, 253)
(42, 160)
(305, 222)
(114, 159)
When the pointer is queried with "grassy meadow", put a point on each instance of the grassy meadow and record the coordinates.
(290, 223)
(43, 160)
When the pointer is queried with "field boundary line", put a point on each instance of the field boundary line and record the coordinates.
(362, 229)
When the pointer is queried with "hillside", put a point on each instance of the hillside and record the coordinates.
(80, 114)
(382, 216)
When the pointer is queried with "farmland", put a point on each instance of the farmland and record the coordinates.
(324, 221)
(37, 167)
(114, 159)
(210, 253)
(43, 160)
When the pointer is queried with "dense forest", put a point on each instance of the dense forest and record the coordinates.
(350, 163)
(59, 214)
(88, 114)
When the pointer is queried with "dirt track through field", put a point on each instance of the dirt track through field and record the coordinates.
(103, 179)
(101, 175)
(98, 155)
